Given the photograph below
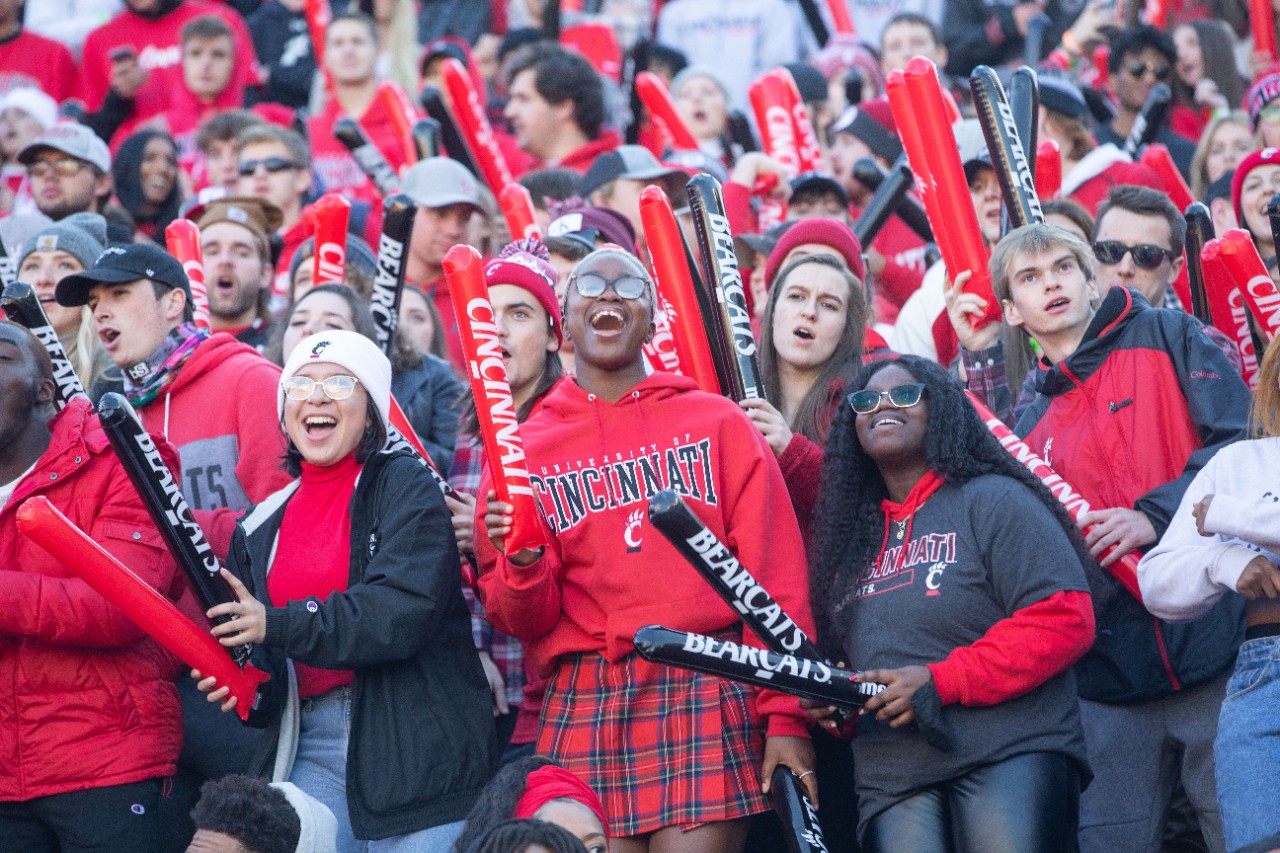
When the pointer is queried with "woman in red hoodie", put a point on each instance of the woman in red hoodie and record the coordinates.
(674, 756)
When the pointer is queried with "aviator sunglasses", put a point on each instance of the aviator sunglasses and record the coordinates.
(338, 387)
(1145, 255)
(591, 285)
(864, 402)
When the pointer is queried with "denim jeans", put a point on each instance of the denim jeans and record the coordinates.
(320, 770)
(1247, 751)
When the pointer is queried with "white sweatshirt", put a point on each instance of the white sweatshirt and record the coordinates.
(1186, 573)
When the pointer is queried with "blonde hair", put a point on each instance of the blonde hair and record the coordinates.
(1265, 417)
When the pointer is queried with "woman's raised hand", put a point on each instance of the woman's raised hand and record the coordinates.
(770, 423)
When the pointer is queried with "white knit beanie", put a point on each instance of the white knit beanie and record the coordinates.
(351, 350)
(319, 827)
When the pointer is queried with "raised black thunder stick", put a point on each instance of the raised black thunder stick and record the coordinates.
(426, 138)
(22, 306)
(1149, 120)
(720, 268)
(1199, 232)
(162, 496)
(367, 156)
(884, 202)
(432, 101)
(1012, 167)
(791, 801)
(871, 175)
(1024, 101)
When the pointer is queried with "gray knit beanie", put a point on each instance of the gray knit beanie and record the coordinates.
(82, 235)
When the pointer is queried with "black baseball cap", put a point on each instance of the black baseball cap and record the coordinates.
(121, 264)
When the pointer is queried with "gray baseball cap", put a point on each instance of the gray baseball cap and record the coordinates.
(70, 138)
(440, 182)
(633, 162)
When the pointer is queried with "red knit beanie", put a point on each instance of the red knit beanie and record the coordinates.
(828, 232)
(1261, 157)
(524, 264)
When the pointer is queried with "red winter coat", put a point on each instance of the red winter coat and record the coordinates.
(89, 699)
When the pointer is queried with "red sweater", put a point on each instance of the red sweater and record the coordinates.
(27, 59)
(335, 165)
(311, 565)
(595, 465)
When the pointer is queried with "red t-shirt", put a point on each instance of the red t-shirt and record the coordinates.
(313, 554)
(27, 59)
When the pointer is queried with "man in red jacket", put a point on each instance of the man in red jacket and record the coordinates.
(92, 724)
(214, 399)
(555, 104)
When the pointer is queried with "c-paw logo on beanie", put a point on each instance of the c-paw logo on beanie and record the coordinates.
(320, 347)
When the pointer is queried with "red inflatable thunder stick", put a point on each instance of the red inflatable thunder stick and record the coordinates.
(1156, 156)
(772, 109)
(333, 214)
(1125, 569)
(517, 209)
(495, 409)
(840, 17)
(962, 246)
(1262, 18)
(1048, 169)
(1242, 262)
(318, 16)
(183, 239)
(403, 115)
(1226, 307)
(469, 115)
(808, 152)
(657, 100)
(43, 524)
(675, 288)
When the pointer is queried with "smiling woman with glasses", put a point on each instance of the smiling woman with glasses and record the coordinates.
(940, 563)
(357, 613)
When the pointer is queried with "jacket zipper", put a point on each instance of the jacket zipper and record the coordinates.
(1164, 655)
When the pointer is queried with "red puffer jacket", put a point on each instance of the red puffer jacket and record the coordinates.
(88, 698)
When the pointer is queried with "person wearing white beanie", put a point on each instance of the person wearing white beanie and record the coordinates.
(245, 814)
(363, 601)
(318, 828)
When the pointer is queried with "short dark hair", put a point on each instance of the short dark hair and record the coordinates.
(555, 183)
(561, 76)
(265, 132)
(1145, 201)
(225, 127)
(517, 836)
(911, 18)
(188, 310)
(249, 810)
(1073, 210)
(1137, 39)
(206, 27)
(357, 16)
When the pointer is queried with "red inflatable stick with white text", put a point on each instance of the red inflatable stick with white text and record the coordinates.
(1124, 569)
(333, 215)
(496, 411)
(517, 209)
(1245, 266)
(42, 523)
(675, 288)
(772, 109)
(963, 248)
(1262, 17)
(473, 125)
(1227, 308)
(657, 100)
(183, 239)
(808, 152)
(1048, 169)
(396, 104)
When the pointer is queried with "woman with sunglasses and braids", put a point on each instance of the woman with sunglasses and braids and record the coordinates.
(385, 713)
(948, 573)
(678, 759)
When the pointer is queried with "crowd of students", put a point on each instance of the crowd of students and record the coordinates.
(434, 689)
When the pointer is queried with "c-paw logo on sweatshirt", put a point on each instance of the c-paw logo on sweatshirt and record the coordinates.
(632, 535)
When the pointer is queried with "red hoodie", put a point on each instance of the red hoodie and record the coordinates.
(334, 164)
(607, 572)
(220, 413)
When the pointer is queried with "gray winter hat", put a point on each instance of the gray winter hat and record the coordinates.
(83, 235)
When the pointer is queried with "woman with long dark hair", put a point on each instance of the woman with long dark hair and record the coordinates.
(673, 755)
(945, 571)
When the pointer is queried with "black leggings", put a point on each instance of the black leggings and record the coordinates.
(1026, 804)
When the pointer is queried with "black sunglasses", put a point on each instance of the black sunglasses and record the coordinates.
(866, 401)
(1138, 70)
(1145, 255)
(271, 164)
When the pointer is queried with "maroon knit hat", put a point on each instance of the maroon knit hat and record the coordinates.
(828, 232)
(524, 264)
(1261, 157)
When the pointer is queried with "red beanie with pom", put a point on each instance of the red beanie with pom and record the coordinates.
(524, 264)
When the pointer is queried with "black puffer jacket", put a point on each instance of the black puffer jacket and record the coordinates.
(422, 738)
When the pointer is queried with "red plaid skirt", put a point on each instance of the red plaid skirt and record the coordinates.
(661, 746)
